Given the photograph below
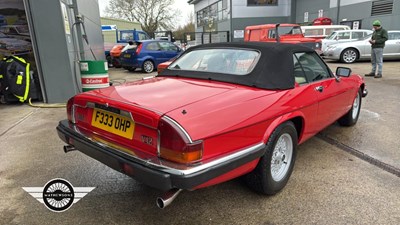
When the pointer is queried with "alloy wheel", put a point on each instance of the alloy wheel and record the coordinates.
(349, 56)
(281, 157)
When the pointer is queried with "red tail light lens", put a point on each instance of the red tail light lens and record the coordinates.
(70, 109)
(176, 146)
(139, 48)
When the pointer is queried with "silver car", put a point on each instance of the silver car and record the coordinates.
(344, 36)
(349, 52)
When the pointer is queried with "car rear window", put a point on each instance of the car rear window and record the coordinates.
(228, 61)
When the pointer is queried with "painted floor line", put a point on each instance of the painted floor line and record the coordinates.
(18, 122)
(388, 168)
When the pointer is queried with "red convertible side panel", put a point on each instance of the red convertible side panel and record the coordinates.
(245, 116)
(335, 100)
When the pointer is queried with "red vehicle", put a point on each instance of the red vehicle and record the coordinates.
(115, 54)
(287, 33)
(218, 112)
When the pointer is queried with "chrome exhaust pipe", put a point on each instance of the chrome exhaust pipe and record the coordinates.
(167, 198)
(69, 148)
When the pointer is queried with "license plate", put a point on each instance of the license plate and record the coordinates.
(127, 55)
(113, 123)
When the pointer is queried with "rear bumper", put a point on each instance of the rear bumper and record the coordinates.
(159, 174)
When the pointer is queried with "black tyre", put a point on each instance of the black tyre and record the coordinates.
(349, 55)
(275, 167)
(109, 61)
(351, 117)
(148, 66)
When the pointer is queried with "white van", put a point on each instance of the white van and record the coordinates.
(344, 36)
(321, 31)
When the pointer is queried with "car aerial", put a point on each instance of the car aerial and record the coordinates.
(217, 112)
(344, 36)
(350, 52)
(147, 54)
(11, 46)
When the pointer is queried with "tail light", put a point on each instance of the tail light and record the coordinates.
(139, 48)
(70, 109)
(175, 144)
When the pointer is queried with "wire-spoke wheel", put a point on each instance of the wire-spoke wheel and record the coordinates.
(281, 157)
(275, 167)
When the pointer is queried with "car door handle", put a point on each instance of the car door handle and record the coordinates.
(319, 88)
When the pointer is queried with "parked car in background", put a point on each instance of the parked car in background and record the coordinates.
(218, 112)
(12, 46)
(349, 52)
(147, 54)
(113, 50)
(321, 31)
(344, 36)
(115, 54)
(16, 31)
(285, 33)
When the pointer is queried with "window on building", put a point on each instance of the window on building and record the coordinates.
(224, 4)
(213, 13)
(262, 2)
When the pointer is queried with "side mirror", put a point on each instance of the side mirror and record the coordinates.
(343, 71)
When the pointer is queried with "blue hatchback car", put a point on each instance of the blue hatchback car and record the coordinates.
(147, 54)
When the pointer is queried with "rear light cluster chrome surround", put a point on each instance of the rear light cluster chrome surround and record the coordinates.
(175, 144)
(71, 110)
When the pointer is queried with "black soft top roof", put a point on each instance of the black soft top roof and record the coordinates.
(274, 69)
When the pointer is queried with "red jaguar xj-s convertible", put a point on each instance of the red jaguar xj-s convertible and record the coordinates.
(217, 112)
